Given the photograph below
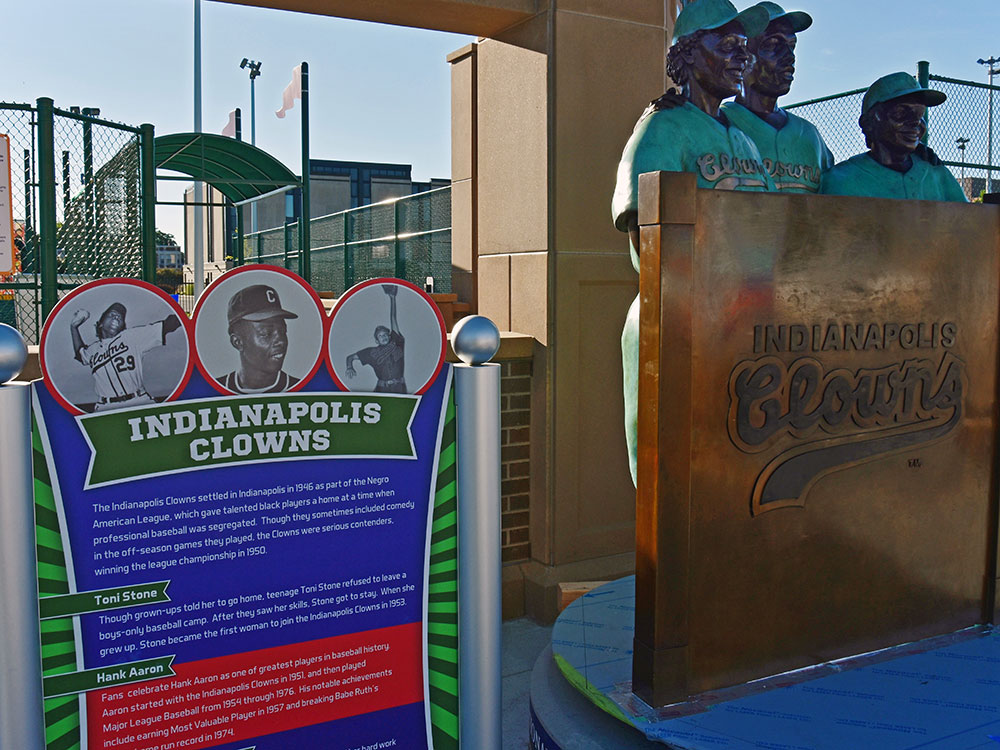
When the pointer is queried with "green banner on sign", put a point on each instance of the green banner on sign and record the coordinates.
(104, 677)
(68, 605)
(188, 435)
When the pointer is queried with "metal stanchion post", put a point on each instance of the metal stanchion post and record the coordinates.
(477, 400)
(22, 724)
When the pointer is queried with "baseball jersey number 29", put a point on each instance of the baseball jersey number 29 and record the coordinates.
(123, 363)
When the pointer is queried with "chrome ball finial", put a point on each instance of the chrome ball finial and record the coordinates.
(13, 353)
(475, 339)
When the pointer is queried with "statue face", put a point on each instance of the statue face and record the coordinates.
(901, 125)
(720, 60)
(774, 66)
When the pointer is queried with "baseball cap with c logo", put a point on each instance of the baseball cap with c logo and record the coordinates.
(256, 302)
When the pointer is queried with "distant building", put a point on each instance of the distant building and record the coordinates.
(335, 186)
(973, 186)
(169, 256)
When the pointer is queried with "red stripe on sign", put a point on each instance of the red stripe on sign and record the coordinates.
(248, 695)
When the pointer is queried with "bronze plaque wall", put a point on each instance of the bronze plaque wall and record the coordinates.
(817, 453)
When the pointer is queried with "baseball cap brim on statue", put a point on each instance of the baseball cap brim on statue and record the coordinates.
(897, 85)
(712, 14)
(799, 20)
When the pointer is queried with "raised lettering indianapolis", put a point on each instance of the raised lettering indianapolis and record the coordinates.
(821, 419)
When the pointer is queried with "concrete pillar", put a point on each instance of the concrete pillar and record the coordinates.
(551, 102)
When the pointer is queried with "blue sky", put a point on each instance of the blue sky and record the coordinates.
(853, 42)
(382, 93)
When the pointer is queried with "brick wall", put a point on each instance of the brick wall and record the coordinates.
(515, 463)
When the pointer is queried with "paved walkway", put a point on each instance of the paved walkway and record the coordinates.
(522, 640)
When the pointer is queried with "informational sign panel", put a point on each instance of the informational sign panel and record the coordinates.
(6, 209)
(234, 550)
(818, 441)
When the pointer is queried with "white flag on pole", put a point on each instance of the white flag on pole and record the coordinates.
(292, 92)
(230, 128)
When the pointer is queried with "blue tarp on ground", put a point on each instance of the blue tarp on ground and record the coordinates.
(939, 694)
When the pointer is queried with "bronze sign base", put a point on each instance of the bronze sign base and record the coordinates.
(816, 457)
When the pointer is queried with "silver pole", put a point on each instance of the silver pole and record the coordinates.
(22, 724)
(199, 231)
(477, 400)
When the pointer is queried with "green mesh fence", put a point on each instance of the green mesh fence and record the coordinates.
(965, 114)
(97, 204)
(408, 238)
(96, 182)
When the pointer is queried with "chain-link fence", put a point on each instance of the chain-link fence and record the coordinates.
(82, 208)
(19, 292)
(964, 115)
(407, 238)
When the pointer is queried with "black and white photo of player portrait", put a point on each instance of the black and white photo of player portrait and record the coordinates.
(258, 329)
(370, 351)
(135, 350)
(259, 332)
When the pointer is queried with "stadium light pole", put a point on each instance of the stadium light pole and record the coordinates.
(198, 254)
(989, 120)
(254, 71)
(961, 143)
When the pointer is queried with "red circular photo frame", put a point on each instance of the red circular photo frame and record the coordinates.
(372, 282)
(227, 277)
(186, 325)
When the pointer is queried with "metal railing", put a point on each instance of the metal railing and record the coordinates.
(407, 238)
(964, 115)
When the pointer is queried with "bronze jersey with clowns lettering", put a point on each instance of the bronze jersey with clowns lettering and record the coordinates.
(685, 139)
(794, 155)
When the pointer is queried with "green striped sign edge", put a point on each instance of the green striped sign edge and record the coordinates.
(442, 638)
(62, 715)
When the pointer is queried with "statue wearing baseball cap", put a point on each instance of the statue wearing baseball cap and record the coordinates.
(257, 330)
(708, 59)
(896, 164)
(792, 149)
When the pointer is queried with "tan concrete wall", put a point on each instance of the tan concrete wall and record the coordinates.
(464, 258)
(556, 98)
(512, 149)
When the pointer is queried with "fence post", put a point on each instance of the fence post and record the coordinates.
(147, 172)
(22, 724)
(47, 202)
(28, 224)
(94, 259)
(399, 267)
(305, 241)
(348, 252)
(67, 192)
(239, 236)
(288, 242)
(924, 79)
